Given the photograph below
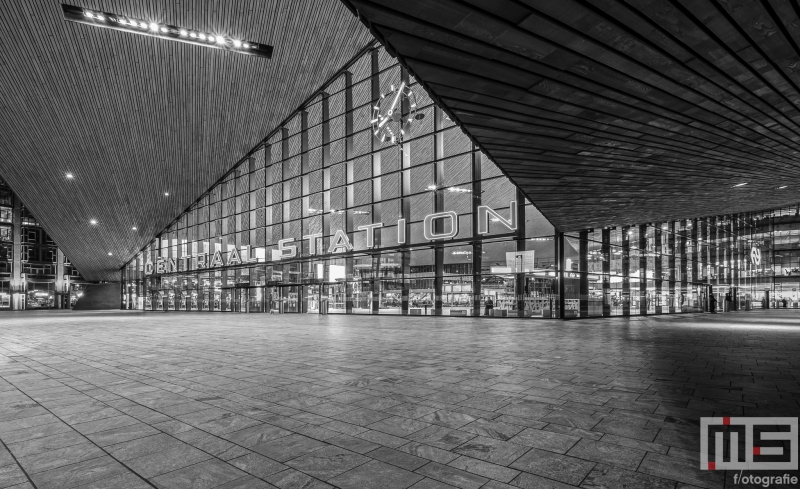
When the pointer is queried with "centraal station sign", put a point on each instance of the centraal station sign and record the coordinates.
(339, 242)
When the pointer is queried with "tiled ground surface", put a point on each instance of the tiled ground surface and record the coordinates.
(182, 400)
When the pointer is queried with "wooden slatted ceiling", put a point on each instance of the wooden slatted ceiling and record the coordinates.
(133, 117)
(609, 112)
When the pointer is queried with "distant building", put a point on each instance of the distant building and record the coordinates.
(34, 273)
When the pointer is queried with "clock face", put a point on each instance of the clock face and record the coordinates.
(389, 122)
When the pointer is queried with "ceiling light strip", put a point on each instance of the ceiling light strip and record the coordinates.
(164, 31)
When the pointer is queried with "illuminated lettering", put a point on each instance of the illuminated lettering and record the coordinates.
(234, 258)
(216, 261)
(284, 249)
(370, 229)
(431, 218)
(484, 211)
(312, 242)
(340, 241)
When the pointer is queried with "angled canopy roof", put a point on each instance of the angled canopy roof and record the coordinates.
(609, 112)
(135, 117)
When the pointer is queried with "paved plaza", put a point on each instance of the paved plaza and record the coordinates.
(186, 400)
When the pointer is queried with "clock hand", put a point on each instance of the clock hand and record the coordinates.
(384, 120)
(396, 98)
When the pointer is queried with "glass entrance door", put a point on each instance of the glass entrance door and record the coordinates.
(274, 300)
(311, 299)
(291, 298)
(248, 299)
(255, 298)
(336, 293)
(235, 302)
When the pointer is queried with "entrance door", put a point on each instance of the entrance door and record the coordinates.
(336, 294)
(255, 298)
(274, 300)
(311, 299)
(291, 298)
(234, 301)
(216, 304)
(248, 299)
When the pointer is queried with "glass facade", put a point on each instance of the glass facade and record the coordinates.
(34, 274)
(735, 262)
(325, 218)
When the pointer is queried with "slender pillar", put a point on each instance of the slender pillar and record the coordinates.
(626, 271)
(562, 263)
(348, 296)
(17, 282)
(477, 248)
(376, 283)
(520, 248)
(643, 252)
(438, 281)
(605, 252)
(671, 266)
(477, 263)
(62, 296)
(658, 273)
(583, 273)
(405, 263)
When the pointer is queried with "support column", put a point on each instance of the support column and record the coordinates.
(405, 263)
(122, 287)
(477, 263)
(682, 243)
(643, 269)
(519, 286)
(17, 283)
(62, 295)
(477, 247)
(376, 283)
(605, 253)
(626, 271)
(671, 266)
(658, 274)
(583, 273)
(438, 280)
(348, 296)
(562, 263)
(438, 206)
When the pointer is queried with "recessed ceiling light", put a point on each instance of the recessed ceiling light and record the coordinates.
(166, 194)
(70, 176)
(109, 253)
(134, 228)
(740, 185)
(783, 187)
(93, 222)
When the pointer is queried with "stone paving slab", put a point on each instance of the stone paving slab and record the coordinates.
(182, 400)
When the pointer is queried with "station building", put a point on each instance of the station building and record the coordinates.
(334, 214)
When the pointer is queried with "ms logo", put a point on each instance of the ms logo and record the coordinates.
(748, 443)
